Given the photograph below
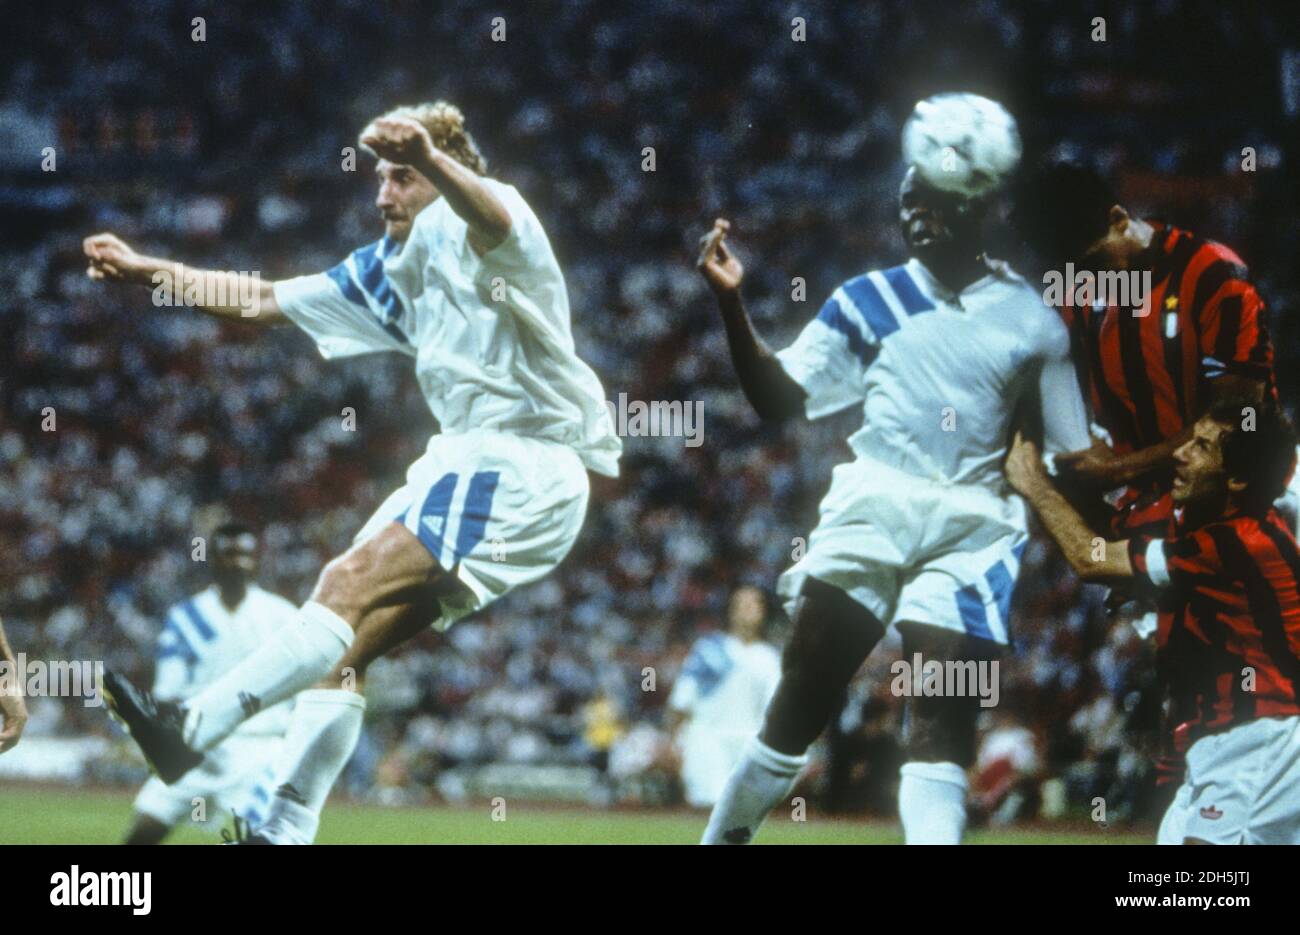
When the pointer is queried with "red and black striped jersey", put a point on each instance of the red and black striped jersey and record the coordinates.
(1228, 595)
(1146, 371)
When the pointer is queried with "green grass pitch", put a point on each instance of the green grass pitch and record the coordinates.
(53, 815)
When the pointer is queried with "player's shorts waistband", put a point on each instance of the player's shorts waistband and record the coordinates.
(909, 470)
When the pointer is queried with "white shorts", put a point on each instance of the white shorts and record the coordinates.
(1242, 787)
(911, 549)
(498, 510)
(238, 776)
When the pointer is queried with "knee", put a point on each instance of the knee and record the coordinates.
(341, 583)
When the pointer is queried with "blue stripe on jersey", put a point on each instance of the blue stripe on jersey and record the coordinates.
(370, 269)
(343, 279)
(478, 508)
(833, 317)
(174, 642)
(708, 663)
(907, 291)
(973, 615)
(871, 305)
(172, 651)
(352, 292)
(1002, 585)
(204, 628)
(436, 504)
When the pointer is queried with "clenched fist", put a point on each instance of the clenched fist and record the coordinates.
(1024, 467)
(398, 139)
(111, 259)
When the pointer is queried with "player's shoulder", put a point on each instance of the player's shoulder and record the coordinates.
(1040, 324)
(884, 298)
(1213, 261)
(1017, 290)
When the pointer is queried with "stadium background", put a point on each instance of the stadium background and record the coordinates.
(226, 153)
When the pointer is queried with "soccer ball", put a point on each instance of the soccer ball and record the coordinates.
(962, 143)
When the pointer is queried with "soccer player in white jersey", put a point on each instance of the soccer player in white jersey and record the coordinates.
(464, 283)
(919, 531)
(205, 637)
(718, 700)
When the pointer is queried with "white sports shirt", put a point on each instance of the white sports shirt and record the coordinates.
(490, 335)
(725, 685)
(202, 640)
(939, 375)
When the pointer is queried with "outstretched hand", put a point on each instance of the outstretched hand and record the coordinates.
(112, 259)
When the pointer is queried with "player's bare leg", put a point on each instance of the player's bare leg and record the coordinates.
(327, 721)
(940, 742)
(389, 569)
(832, 636)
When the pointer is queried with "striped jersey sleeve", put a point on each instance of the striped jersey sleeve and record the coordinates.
(830, 357)
(1175, 564)
(1231, 328)
(350, 308)
(183, 642)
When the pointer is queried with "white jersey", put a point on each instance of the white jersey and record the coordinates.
(725, 685)
(939, 375)
(490, 334)
(202, 640)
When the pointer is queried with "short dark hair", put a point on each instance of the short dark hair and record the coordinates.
(1061, 208)
(1263, 456)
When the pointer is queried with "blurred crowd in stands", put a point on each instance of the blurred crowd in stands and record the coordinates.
(230, 152)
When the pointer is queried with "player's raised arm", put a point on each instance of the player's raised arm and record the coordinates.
(773, 393)
(13, 710)
(404, 141)
(1105, 562)
(232, 295)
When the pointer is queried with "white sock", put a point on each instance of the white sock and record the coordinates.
(760, 780)
(321, 737)
(932, 802)
(297, 656)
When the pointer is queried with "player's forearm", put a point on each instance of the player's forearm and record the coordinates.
(472, 200)
(1071, 532)
(1127, 468)
(1234, 390)
(235, 296)
(770, 390)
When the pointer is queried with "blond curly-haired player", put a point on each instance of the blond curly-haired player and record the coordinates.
(465, 284)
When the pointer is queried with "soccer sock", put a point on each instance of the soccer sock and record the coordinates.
(760, 780)
(932, 802)
(322, 735)
(297, 655)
